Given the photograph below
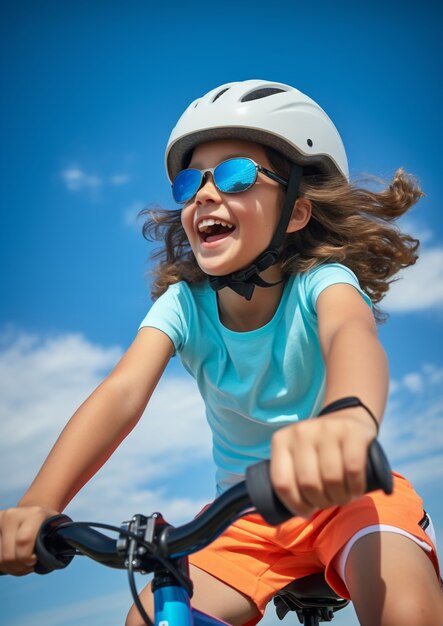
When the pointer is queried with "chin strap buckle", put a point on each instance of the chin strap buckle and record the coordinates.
(244, 281)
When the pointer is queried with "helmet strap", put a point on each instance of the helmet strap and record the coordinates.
(244, 281)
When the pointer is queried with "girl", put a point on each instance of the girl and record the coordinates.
(265, 289)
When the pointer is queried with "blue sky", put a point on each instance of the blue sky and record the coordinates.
(90, 92)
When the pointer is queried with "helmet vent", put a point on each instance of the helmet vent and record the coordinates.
(261, 93)
(220, 93)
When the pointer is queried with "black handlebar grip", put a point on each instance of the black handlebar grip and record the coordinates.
(378, 470)
(274, 512)
(47, 542)
(263, 497)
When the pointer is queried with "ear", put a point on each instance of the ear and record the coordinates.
(300, 215)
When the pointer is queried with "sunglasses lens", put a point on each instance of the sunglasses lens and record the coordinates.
(186, 185)
(232, 176)
(235, 175)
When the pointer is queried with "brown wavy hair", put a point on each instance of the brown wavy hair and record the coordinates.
(350, 224)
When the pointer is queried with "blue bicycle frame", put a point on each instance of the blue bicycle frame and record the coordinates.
(172, 608)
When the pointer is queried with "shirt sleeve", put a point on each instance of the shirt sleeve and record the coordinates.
(168, 315)
(324, 276)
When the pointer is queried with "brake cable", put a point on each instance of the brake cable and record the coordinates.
(152, 550)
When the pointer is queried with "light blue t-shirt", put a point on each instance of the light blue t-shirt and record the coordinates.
(255, 382)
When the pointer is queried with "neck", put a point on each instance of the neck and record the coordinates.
(241, 315)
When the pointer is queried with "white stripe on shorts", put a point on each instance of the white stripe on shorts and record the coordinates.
(342, 557)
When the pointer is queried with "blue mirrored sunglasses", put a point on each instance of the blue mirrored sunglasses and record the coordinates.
(231, 176)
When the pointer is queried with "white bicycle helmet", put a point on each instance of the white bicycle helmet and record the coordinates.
(273, 114)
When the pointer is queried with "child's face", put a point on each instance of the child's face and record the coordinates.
(250, 216)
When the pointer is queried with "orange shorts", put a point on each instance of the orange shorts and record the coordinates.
(258, 560)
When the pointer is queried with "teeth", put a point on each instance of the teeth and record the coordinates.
(207, 223)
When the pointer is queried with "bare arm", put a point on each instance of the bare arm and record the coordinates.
(87, 441)
(101, 422)
(321, 462)
(356, 363)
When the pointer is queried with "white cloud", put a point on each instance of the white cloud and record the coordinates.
(412, 430)
(413, 382)
(419, 287)
(131, 214)
(119, 179)
(102, 610)
(419, 381)
(432, 373)
(416, 228)
(76, 179)
(44, 380)
(428, 376)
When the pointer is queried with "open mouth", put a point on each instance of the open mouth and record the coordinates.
(211, 230)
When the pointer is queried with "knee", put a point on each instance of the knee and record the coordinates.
(135, 619)
(146, 598)
(405, 608)
(411, 614)
(415, 609)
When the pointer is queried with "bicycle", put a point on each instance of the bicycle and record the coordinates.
(151, 545)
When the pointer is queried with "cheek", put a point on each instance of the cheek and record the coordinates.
(186, 220)
(270, 207)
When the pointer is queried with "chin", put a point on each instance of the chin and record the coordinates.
(221, 271)
(221, 268)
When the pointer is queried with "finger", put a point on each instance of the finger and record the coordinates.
(282, 473)
(7, 540)
(355, 452)
(332, 473)
(308, 478)
(25, 541)
(16, 569)
(9, 563)
(300, 486)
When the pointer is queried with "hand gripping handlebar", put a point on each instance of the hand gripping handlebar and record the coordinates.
(273, 511)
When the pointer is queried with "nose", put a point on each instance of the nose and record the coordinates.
(208, 192)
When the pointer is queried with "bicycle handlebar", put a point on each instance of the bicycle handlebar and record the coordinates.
(59, 537)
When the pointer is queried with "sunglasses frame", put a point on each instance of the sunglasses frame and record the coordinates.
(258, 168)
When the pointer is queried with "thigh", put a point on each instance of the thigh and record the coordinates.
(210, 596)
(391, 580)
